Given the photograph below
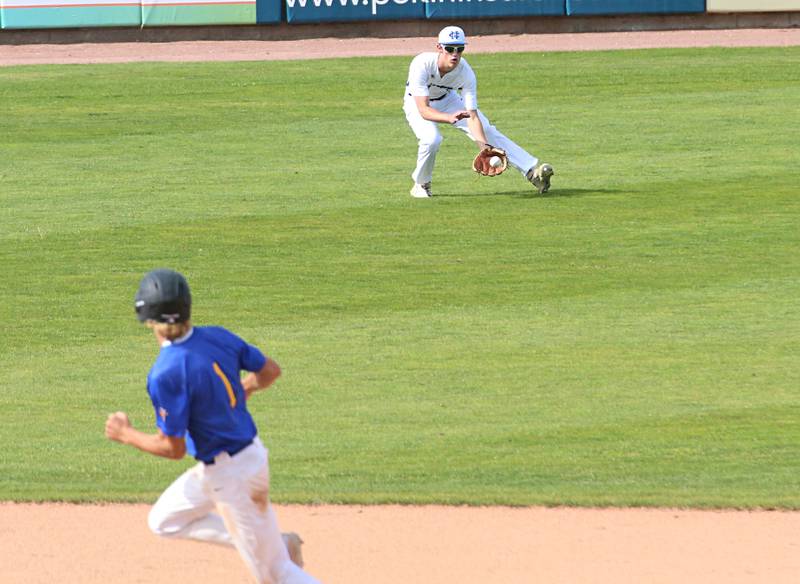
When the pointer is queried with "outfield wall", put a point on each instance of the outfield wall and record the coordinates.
(752, 6)
(152, 14)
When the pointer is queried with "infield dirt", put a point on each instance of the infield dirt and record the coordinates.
(90, 544)
(335, 47)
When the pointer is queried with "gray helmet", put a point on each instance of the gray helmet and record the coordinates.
(163, 296)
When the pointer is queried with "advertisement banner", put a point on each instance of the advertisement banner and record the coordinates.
(582, 7)
(753, 5)
(268, 11)
(493, 8)
(298, 11)
(197, 12)
(69, 13)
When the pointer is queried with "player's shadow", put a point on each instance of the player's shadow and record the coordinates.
(531, 194)
(563, 192)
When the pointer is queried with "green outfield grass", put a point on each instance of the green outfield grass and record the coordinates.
(631, 338)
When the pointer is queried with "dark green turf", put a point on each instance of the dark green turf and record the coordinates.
(631, 338)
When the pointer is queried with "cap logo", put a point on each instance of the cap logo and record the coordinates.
(451, 35)
(140, 303)
(170, 318)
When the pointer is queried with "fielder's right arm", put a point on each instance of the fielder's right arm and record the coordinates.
(434, 115)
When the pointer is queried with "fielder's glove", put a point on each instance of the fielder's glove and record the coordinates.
(481, 163)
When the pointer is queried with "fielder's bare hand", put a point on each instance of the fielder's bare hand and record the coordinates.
(463, 114)
(116, 425)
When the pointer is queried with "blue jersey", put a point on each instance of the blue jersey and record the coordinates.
(196, 390)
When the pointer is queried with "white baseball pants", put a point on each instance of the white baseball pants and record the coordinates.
(430, 138)
(228, 503)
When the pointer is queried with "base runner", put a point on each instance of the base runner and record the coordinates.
(200, 407)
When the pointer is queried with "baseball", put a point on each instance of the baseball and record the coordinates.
(495, 161)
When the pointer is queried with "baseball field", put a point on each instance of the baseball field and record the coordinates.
(594, 385)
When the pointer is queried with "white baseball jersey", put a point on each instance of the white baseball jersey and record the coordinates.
(424, 80)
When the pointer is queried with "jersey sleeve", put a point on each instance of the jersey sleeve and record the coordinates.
(417, 84)
(469, 91)
(251, 358)
(171, 405)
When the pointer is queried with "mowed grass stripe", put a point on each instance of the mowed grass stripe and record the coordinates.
(628, 340)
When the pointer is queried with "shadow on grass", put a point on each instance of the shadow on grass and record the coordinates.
(528, 194)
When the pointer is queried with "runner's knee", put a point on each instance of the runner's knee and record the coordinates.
(162, 523)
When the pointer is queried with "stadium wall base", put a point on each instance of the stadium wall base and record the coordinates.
(402, 29)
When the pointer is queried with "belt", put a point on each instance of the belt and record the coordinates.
(231, 452)
(435, 98)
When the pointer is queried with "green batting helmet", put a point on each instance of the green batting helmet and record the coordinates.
(163, 296)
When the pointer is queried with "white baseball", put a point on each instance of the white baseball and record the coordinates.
(495, 162)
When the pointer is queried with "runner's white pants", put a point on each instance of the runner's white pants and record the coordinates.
(228, 503)
(429, 137)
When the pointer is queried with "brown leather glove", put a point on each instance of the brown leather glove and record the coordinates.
(482, 164)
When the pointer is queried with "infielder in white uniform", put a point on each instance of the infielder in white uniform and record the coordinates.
(432, 97)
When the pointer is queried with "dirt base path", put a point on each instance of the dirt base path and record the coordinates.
(332, 47)
(88, 544)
